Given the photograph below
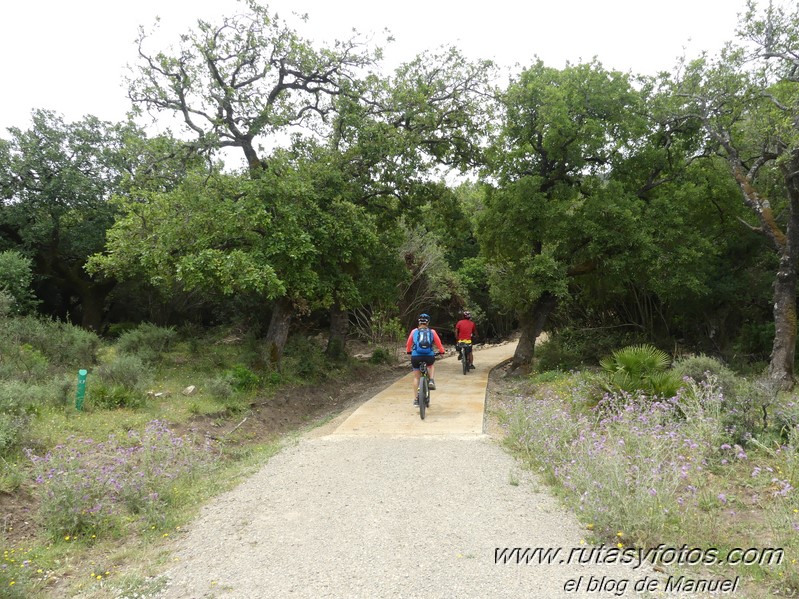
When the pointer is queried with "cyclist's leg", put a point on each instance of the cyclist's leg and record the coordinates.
(431, 371)
(416, 376)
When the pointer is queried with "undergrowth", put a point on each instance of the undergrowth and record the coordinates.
(701, 467)
(127, 470)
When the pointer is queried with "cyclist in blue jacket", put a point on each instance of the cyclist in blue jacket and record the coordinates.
(421, 346)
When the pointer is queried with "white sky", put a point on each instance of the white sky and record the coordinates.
(69, 55)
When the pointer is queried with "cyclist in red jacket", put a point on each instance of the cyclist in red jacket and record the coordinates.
(465, 332)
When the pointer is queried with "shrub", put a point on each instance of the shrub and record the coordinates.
(304, 359)
(61, 389)
(16, 276)
(625, 466)
(640, 368)
(147, 341)
(12, 427)
(33, 363)
(700, 367)
(569, 349)
(220, 388)
(111, 397)
(128, 371)
(116, 329)
(13, 397)
(242, 378)
(380, 356)
(6, 304)
(745, 410)
(63, 344)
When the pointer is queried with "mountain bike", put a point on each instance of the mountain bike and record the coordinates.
(464, 349)
(424, 389)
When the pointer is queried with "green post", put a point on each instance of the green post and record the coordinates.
(81, 389)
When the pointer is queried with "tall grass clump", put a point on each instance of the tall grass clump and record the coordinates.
(91, 489)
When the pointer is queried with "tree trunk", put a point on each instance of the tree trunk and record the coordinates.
(532, 324)
(339, 325)
(91, 293)
(784, 349)
(783, 352)
(92, 305)
(278, 331)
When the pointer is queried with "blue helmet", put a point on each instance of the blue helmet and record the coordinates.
(424, 318)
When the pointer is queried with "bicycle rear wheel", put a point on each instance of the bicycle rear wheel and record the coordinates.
(424, 393)
(464, 360)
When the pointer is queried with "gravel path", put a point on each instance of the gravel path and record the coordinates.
(342, 517)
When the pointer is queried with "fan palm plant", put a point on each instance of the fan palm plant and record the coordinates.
(640, 368)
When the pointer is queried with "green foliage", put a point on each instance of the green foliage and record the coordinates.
(430, 281)
(16, 277)
(19, 402)
(379, 326)
(59, 176)
(242, 378)
(636, 361)
(700, 367)
(194, 221)
(110, 397)
(557, 213)
(115, 329)
(380, 355)
(748, 404)
(9, 580)
(24, 362)
(640, 368)
(6, 304)
(220, 388)
(18, 397)
(128, 371)
(11, 429)
(148, 341)
(304, 361)
(755, 340)
(61, 344)
(569, 348)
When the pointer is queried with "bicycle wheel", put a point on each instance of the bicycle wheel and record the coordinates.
(424, 393)
(464, 360)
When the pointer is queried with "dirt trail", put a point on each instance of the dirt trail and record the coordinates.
(381, 504)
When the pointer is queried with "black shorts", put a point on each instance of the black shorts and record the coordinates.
(416, 360)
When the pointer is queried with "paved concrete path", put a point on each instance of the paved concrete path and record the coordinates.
(456, 406)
